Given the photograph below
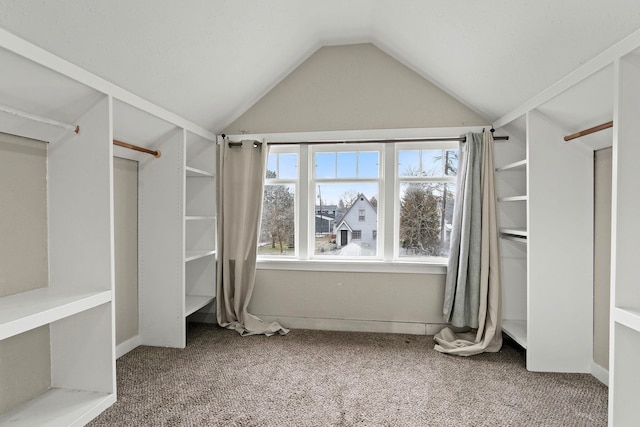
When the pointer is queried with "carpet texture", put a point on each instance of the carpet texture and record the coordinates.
(319, 378)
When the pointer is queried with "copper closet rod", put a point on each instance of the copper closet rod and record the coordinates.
(155, 153)
(589, 131)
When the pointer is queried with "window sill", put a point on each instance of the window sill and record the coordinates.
(351, 266)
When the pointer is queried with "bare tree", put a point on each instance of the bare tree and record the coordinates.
(278, 216)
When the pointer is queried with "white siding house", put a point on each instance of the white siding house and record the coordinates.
(359, 225)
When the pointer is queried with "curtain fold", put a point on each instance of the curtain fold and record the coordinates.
(472, 286)
(241, 172)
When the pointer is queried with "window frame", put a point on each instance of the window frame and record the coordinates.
(399, 180)
(315, 181)
(286, 149)
(390, 263)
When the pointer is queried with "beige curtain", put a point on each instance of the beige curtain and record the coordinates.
(241, 171)
(472, 289)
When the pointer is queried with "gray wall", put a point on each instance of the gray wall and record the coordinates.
(602, 256)
(351, 87)
(24, 359)
(125, 199)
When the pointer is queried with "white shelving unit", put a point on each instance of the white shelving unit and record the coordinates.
(511, 183)
(76, 305)
(624, 370)
(74, 311)
(200, 223)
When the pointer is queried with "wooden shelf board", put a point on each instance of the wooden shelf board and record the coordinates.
(515, 232)
(629, 317)
(517, 330)
(521, 164)
(193, 303)
(59, 407)
(193, 172)
(28, 310)
(513, 199)
(192, 255)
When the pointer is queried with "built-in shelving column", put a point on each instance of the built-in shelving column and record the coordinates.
(624, 369)
(77, 306)
(560, 250)
(511, 183)
(161, 244)
(200, 223)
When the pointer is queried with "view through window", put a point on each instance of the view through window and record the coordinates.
(342, 195)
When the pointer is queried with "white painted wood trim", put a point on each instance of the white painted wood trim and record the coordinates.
(128, 345)
(40, 56)
(292, 264)
(600, 373)
(350, 325)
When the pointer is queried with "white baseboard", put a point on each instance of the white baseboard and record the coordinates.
(600, 373)
(349, 325)
(128, 345)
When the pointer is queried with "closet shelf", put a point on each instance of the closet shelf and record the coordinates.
(517, 330)
(59, 407)
(514, 232)
(28, 310)
(199, 217)
(521, 164)
(513, 238)
(629, 317)
(194, 303)
(193, 255)
(193, 172)
(513, 199)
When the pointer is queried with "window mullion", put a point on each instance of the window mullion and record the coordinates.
(302, 215)
(388, 200)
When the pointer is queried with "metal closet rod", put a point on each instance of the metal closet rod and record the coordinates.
(155, 153)
(40, 119)
(343, 141)
(589, 131)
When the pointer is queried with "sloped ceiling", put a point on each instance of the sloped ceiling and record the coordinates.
(210, 60)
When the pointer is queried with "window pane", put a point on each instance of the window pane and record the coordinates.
(346, 165)
(277, 229)
(325, 165)
(408, 163)
(338, 219)
(368, 164)
(282, 166)
(272, 166)
(426, 213)
(432, 163)
(288, 166)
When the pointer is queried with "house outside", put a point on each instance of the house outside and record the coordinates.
(359, 225)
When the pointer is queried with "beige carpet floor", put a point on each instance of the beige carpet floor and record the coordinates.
(318, 378)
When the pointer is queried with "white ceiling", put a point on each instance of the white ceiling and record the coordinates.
(210, 60)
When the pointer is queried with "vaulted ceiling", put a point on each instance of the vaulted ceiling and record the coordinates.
(210, 60)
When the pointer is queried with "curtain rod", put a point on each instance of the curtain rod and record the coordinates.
(13, 111)
(343, 141)
(589, 131)
(155, 153)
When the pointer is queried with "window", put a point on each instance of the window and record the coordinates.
(426, 198)
(346, 179)
(278, 224)
(333, 201)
